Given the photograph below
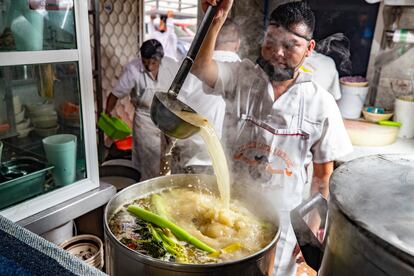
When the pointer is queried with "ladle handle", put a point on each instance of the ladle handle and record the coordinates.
(194, 48)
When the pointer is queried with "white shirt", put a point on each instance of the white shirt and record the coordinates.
(213, 107)
(135, 76)
(137, 82)
(168, 39)
(323, 70)
(226, 56)
(322, 119)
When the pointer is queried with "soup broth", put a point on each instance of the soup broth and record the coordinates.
(234, 231)
(215, 151)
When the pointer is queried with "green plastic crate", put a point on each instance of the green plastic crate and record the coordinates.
(113, 126)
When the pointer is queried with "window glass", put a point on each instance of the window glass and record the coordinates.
(34, 25)
(40, 130)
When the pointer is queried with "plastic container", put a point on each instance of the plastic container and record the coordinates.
(365, 134)
(404, 113)
(14, 187)
(352, 100)
(124, 144)
(61, 152)
(375, 117)
(113, 127)
(27, 26)
(4, 128)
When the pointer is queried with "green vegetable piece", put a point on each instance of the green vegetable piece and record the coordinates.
(157, 204)
(172, 247)
(165, 223)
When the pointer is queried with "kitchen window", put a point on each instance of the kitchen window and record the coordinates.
(47, 120)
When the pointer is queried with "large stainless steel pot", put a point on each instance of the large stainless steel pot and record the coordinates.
(120, 260)
(370, 226)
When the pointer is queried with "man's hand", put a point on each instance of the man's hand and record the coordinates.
(225, 6)
(297, 254)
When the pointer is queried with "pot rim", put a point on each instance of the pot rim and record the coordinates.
(154, 261)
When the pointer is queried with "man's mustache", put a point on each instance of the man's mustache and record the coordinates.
(275, 73)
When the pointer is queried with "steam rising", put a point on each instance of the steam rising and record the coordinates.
(337, 45)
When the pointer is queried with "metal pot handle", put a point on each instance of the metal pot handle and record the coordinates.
(312, 249)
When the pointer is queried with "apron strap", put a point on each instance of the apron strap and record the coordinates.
(301, 109)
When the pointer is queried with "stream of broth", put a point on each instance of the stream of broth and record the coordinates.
(215, 150)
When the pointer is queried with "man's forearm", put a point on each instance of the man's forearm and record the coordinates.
(205, 68)
(110, 103)
(320, 184)
(320, 179)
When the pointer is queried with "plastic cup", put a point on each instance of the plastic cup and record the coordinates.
(61, 152)
(352, 101)
(404, 113)
(27, 26)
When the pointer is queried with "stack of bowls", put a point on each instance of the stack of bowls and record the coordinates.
(22, 123)
(44, 118)
(88, 248)
(375, 114)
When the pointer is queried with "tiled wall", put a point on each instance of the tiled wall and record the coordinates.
(119, 45)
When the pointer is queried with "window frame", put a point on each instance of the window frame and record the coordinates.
(81, 55)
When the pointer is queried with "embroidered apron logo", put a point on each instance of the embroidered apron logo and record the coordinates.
(256, 156)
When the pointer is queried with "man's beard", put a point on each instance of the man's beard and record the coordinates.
(275, 73)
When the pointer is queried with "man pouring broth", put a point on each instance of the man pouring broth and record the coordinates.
(283, 122)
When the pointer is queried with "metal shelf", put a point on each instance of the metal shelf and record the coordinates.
(179, 7)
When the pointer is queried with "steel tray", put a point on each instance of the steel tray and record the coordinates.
(15, 187)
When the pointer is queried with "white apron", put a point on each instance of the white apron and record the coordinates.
(146, 151)
(271, 158)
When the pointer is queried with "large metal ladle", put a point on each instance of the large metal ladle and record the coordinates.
(165, 106)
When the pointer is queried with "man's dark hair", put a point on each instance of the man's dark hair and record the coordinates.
(230, 32)
(163, 18)
(152, 48)
(293, 13)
